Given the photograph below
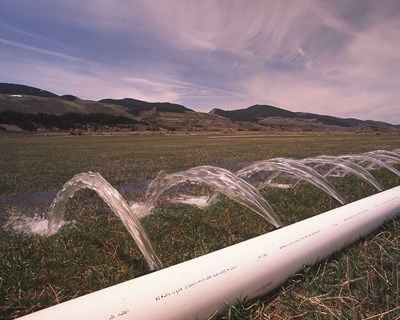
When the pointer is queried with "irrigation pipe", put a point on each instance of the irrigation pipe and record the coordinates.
(202, 287)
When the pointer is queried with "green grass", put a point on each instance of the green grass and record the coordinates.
(35, 272)
(361, 282)
(45, 163)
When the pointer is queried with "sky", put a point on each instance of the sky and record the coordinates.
(334, 57)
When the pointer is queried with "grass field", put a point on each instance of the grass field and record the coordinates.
(362, 281)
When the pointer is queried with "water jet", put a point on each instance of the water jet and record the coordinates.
(202, 287)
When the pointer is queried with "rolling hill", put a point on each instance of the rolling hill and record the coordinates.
(276, 117)
(169, 116)
(138, 106)
(144, 115)
(20, 89)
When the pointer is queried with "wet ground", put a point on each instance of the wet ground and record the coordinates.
(37, 203)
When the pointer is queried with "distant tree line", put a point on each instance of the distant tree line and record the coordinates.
(72, 120)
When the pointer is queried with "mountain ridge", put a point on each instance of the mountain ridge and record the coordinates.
(21, 89)
(171, 116)
(258, 112)
(138, 106)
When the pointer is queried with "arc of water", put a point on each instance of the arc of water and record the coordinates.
(347, 166)
(393, 153)
(114, 200)
(223, 181)
(372, 159)
(295, 168)
(298, 163)
(383, 155)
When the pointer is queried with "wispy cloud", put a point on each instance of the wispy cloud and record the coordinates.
(40, 50)
(338, 58)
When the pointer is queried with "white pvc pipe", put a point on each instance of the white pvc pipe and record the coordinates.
(202, 287)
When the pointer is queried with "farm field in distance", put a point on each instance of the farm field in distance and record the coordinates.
(95, 251)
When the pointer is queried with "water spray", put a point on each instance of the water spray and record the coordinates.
(202, 287)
